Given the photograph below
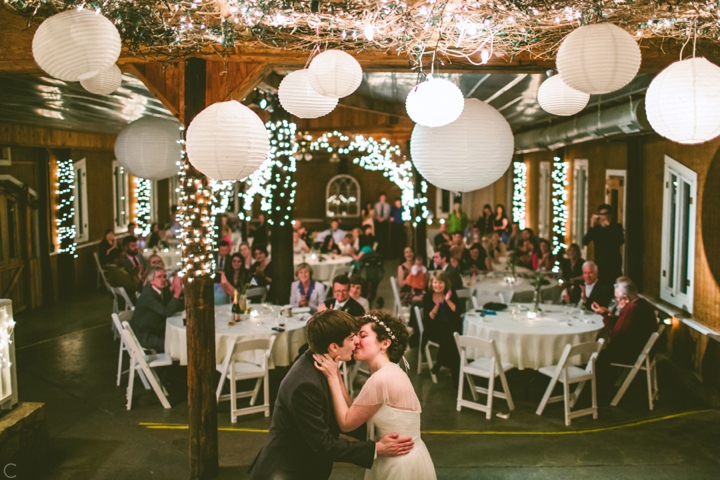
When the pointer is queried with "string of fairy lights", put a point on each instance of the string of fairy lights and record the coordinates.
(143, 207)
(560, 214)
(519, 198)
(7, 324)
(65, 219)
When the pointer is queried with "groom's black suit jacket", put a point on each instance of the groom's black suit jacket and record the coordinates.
(304, 435)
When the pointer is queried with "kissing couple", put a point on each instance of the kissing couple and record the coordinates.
(313, 406)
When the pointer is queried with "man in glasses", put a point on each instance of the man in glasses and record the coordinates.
(607, 237)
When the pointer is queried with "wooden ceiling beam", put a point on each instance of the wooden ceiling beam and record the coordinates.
(31, 136)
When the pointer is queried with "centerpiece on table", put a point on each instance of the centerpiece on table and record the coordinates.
(512, 260)
(537, 280)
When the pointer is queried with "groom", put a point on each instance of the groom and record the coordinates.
(304, 436)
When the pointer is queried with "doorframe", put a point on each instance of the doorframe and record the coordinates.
(578, 231)
(610, 172)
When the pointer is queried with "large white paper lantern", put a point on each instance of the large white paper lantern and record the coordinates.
(150, 148)
(335, 73)
(555, 97)
(468, 154)
(104, 83)
(300, 99)
(683, 102)
(598, 58)
(76, 45)
(227, 141)
(434, 103)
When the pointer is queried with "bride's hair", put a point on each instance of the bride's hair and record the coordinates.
(388, 327)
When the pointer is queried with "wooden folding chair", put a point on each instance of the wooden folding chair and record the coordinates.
(489, 366)
(567, 373)
(650, 368)
(146, 363)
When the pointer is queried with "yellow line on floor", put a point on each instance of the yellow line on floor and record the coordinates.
(180, 426)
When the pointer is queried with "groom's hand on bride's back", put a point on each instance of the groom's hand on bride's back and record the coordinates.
(393, 445)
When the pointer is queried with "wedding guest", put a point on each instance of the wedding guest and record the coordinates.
(478, 259)
(330, 246)
(299, 245)
(334, 231)
(259, 232)
(302, 231)
(367, 239)
(356, 234)
(382, 223)
(222, 258)
(544, 259)
(525, 259)
(342, 300)
(134, 261)
(607, 237)
(398, 237)
(246, 254)
(442, 320)
(417, 280)
(589, 291)
(473, 237)
(306, 292)
(368, 218)
(153, 261)
(107, 245)
(501, 222)
(443, 237)
(515, 237)
(457, 220)
(356, 288)
(262, 268)
(156, 303)
(154, 237)
(528, 234)
(442, 260)
(496, 247)
(235, 276)
(117, 276)
(403, 271)
(571, 266)
(346, 245)
(485, 221)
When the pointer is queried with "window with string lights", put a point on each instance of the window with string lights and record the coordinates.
(342, 197)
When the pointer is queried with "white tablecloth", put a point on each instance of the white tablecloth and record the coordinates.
(533, 342)
(322, 271)
(171, 257)
(284, 351)
(490, 286)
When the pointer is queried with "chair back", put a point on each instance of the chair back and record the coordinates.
(133, 344)
(485, 348)
(587, 348)
(396, 295)
(255, 292)
(237, 347)
(342, 270)
(101, 271)
(121, 291)
(650, 344)
(119, 318)
(418, 315)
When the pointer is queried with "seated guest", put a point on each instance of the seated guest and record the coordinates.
(441, 260)
(134, 261)
(496, 246)
(544, 259)
(107, 245)
(262, 268)
(367, 239)
(156, 303)
(528, 234)
(154, 237)
(356, 287)
(478, 260)
(418, 278)
(342, 300)
(459, 242)
(441, 318)
(117, 276)
(259, 233)
(302, 231)
(235, 276)
(306, 292)
(330, 246)
(403, 271)
(473, 238)
(589, 291)
(334, 231)
(299, 245)
(153, 261)
(222, 261)
(247, 256)
(515, 237)
(571, 266)
(525, 258)
(346, 246)
(443, 237)
(456, 258)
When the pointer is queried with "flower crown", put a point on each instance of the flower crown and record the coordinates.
(381, 323)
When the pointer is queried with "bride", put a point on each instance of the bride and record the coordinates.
(387, 401)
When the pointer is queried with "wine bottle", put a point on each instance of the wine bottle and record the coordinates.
(235, 308)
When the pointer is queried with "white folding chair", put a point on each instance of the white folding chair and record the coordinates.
(146, 363)
(120, 292)
(465, 294)
(567, 373)
(255, 292)
(650, 368)
(489, 366)
(428, 358)
(236, 367)
(480, 300)
(100, 271)
(430, 251)
(344, 373)
(117, 319)
(398, 309)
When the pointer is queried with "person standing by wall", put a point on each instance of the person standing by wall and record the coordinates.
(382, 223)
(398, 238)
(607, 238)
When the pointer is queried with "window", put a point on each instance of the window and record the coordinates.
(343, 197)
(544, 201)
(678, 235)
(444, 202)
(81, 203)
(5, 156)
(580, 200)
(121, 198)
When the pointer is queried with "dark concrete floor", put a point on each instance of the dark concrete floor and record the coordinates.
(67, 356)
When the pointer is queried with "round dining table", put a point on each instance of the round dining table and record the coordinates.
(257, 324)
(324, 269)
(488, 288)
(530, 339)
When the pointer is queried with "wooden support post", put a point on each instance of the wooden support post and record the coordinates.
(421, 227)
(200, 308)
(634, 236)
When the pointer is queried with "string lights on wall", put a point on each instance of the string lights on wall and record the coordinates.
(143, 193)
(7, 324)
(65, 219)
(519, 193)
(559, 202)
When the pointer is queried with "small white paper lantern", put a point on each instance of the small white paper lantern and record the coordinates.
(227, 141)
(468, 154)
(683, 101)
(335, 73)
(150, 148)
(598, 58)
(76, 45)
(298, 97)
(555, 97)
(434, 103)
(104, 83)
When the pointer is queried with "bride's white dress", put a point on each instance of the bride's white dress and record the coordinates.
(399, 413)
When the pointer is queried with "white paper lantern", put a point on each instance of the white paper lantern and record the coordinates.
(468, 154)
(598, 58)
(150, 148)
(683, 102)
(335, 73)
(227, 141)
(104, 83)
(555, 97)
(76, 45)
(298, 97)
(434, 103)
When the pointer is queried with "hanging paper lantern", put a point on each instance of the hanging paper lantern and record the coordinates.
(434, 103)
(468, 154)
(298, 97)
(555, 97)
(150, 148)
(76, 45)
(335, 73)
(598, 58)
(227, 141)
(683, 102)
(104, 83)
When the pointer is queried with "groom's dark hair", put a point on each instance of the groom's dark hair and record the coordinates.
(330, 326)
